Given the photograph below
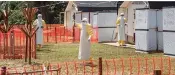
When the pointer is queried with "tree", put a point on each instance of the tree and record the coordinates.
(15, 15)
(5, 12)
(50, 10)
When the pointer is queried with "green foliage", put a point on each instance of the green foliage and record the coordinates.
(15, 14)
(17, 17)
(50, 13)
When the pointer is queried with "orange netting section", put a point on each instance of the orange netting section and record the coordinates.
(13, 43)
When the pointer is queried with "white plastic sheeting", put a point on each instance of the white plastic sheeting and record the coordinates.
(107, 19)
(169, 30)
(78, 17)
(106, 23)
(160, 29)
(87, 15)
(169, 42)
(95, 20)
(160, 40)
(146, 37)
(146, 40)
(106, 34)
(130, 14)
(146, 19)
(168, 19)
(68, 19)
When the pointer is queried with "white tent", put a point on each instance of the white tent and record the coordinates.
(128, 7)
(104, 21)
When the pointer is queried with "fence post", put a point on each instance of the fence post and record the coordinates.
(157, 72)
(3, 70)
(12, 43)
(56, 34)
(100, 66)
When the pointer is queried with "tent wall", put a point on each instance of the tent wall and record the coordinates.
(106, 23)
(68, 19)
(88, 15)
(130, 22)
(146, 34)
(169, 30)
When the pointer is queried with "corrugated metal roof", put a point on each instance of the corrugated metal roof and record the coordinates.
(160, 4)
(152, 4)
(96, 3)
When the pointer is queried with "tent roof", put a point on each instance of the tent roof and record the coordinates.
(93, 5)
(161, 4)
(152, 4)
(96, 3)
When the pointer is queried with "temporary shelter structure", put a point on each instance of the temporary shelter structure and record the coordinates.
(86, 9)
(128, 8)
(169, 30)
(101, 14)
(145, 29)
(164, 27)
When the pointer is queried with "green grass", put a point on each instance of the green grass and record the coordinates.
(63, 52)
(68, 52)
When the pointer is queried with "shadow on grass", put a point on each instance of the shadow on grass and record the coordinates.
(35, 63)
(45, 50)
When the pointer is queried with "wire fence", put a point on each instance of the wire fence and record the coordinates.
(119, 66)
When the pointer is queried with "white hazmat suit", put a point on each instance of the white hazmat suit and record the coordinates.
(39, 23)
(121, 29)
(86, 33)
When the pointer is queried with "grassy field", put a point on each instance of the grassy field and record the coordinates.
(67, 52)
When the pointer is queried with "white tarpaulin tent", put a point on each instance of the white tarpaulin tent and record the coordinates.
(145, 29)
(129, 10)
(169, 31)
(86, 8)
(106, 23)
(149, 30)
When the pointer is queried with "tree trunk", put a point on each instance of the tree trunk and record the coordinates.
(26, 52)
(30, 49)
(4, 43)
(8, 50)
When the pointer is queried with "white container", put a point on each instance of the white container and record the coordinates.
(169, 19)
(169, 31)
(145, 30)
(169, 43)
(106, 23)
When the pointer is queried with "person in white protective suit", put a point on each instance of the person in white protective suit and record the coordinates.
(39, 23)
(121, 29)
(85, 37)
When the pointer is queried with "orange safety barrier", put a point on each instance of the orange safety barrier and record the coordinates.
(127, 66)
(14, 45)
(52, 33)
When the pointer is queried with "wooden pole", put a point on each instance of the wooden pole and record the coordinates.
(74, 28)
(100, 66)
(30, 49)
(157, 72)
(3, 70)
(26, 51)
